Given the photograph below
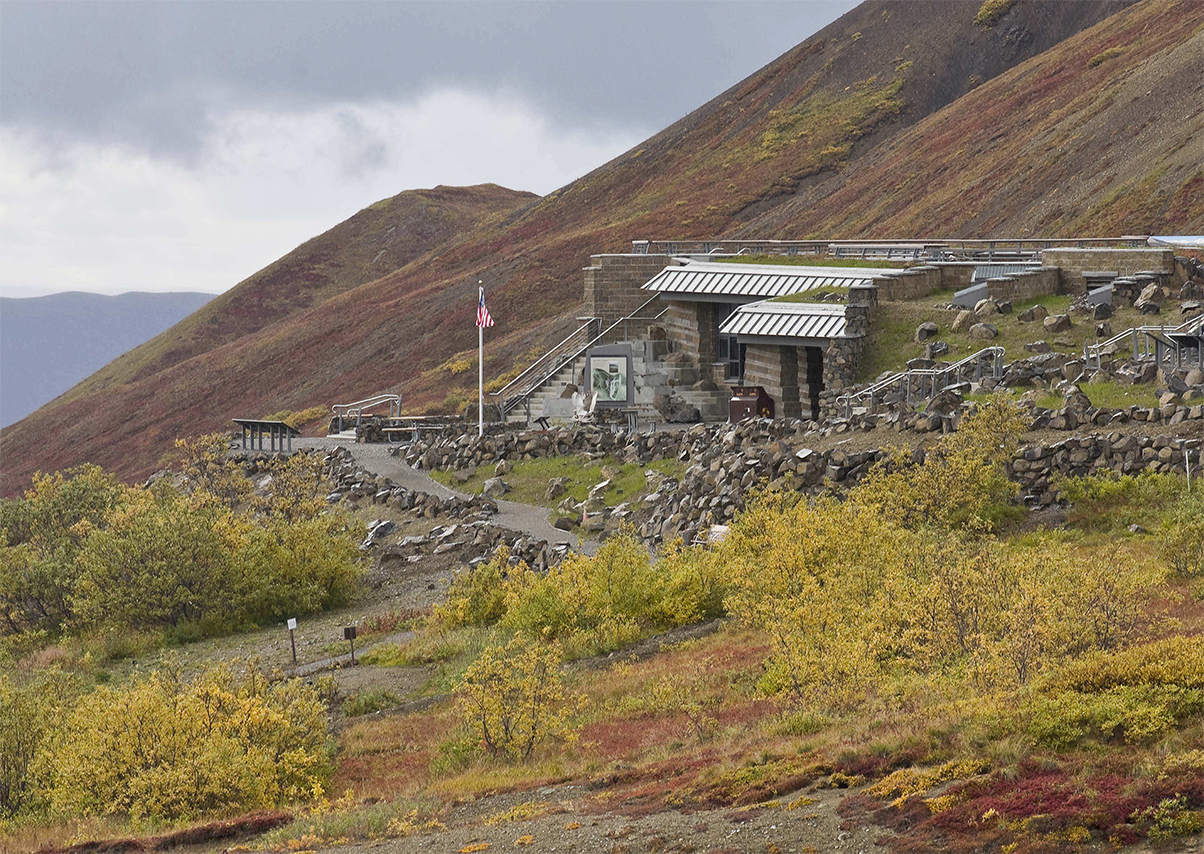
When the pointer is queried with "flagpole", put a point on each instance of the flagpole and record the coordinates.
(480, 367)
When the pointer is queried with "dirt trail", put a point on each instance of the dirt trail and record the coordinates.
(580, 819)
(525, 518)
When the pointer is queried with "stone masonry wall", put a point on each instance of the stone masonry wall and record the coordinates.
(775, 369)
(725, 461)
(912, 283)
(1125, 262)
(613, 282)
(1044, 281)
(684, 323)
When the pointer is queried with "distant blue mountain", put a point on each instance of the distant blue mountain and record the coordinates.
(50, 343)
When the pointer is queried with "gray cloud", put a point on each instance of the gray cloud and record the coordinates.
(183, 145)
(152, 74)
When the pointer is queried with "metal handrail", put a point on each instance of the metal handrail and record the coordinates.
(366, 403)
(1142, 337)
(938, 378)
(507, 405)
(342, 410)
(526, 374)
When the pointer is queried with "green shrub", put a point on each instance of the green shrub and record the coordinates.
(1170, 819)
(477, 596)
(512, 698)
(1104, 55)
(991, 11)
(160, 561)
(1182, 536)
(1132, 714)
(590, 603)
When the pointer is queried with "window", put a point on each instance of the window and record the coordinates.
(727, 348)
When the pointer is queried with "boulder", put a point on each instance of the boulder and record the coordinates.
(1037, 346)
(963, 321)
(1074, 399)
(935, 349)
(925, 331)
(502, 467)
(1149, 308)
(495, 487)
(1102, 311)
(1151, 293)
(556, 488)
(1035, 313)
(986, 307)
(983, 331)
(945, 402)
(1103, 329)
(1194, 377)
(1057, 323)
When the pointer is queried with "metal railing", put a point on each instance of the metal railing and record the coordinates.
(934, 250)
(346, 410)
(925, 382)
(1176, 345)
(552, 362)
(546, 366)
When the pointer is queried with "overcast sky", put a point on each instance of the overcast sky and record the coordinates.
(182, 146)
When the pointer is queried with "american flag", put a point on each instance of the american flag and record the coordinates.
(483, 318)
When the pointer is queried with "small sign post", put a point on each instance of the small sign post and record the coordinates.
(349, 634)
(292, 627)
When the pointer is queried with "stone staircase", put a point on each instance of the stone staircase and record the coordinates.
(655, 372)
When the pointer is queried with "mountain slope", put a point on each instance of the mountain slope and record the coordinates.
(1110, 122)
(377, 240)
(803, 124)
(50, 343)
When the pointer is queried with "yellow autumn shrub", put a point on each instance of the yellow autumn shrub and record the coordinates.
(161, 748)
(512, 698)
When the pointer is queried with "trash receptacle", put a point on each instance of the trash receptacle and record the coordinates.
(749, 401)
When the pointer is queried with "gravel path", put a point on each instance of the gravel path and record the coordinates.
(526, 518)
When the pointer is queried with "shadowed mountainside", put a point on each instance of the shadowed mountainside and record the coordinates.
(50, 343)
(804, 127)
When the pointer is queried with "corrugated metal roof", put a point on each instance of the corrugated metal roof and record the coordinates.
(755, 280)
(786, 320)
(982, 272)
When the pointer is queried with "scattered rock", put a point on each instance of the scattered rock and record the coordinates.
(495, 487)
(1103, 329)
(1036, 312)
(936, 349)
(556, 487)
(1037, 346)
(925, 331)
(1057, 323)
(963, 321)
(1149, 308)
(983, 331)
(986, 307)
(1102, 311)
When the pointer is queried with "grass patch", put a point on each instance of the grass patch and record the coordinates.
(528, 479)
(894, 325)
(346, 821)
(1105, 395)
(367, 702)
(812, 296)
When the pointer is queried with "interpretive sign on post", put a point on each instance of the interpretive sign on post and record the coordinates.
(292, 627)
